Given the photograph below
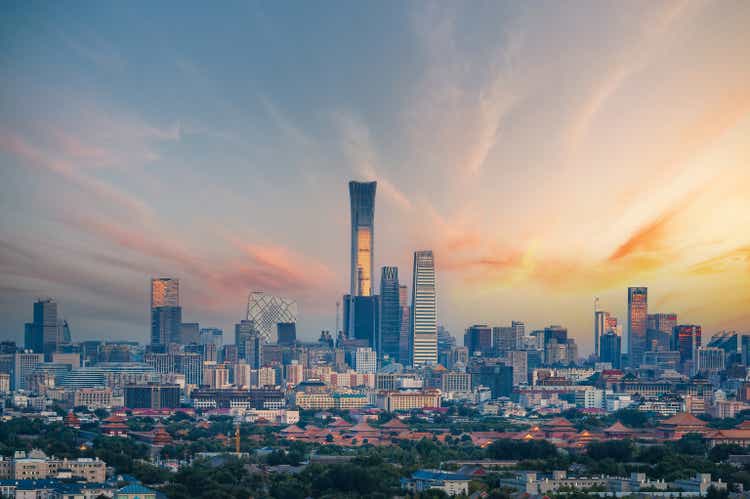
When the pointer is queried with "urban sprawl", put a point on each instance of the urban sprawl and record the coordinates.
(385, 405)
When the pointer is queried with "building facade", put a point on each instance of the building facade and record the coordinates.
(424, 310)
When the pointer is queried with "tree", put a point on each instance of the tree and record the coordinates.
(619, 450)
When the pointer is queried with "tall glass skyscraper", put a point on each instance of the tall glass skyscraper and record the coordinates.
(424, 310)
(404, 342)
(165, 292)
(637, 323)
(362, 199)
(390, 314)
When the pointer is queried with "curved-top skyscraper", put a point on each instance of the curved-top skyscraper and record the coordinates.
(362, 198)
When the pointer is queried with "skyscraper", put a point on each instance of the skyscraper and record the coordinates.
(424, 310)
(659, 331)
(390, 314)
(166, 324)
(503, 339)
(362, 199)
(600, 327)
(165, 292)
(478, 339)
(266, 311)
(686, 338)
(637, 323)
(404, 341)
(44, 334)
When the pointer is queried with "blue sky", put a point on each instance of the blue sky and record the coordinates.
(547, 152)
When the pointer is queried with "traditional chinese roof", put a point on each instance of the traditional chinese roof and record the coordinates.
(684, 419)
(618, 427)
(292, 429)
(340, 423)
(161, 437)
(394, 424)
(745, 425)
(558, 423)
(362, 427)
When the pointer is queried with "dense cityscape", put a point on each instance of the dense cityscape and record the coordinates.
(419, 249)
(388, 389)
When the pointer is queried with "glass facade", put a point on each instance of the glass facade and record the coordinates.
(424, 310)
(637, 324)
(390, 314)
(362, 199)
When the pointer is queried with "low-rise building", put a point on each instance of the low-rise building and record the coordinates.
(450, 483)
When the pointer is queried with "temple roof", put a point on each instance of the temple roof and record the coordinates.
(292, 429)
(684, 419)
(618, 427)
(394, 423)
(558, 422)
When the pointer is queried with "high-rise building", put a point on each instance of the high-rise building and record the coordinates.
(361, 319)
(25, 363)
(555, 333)
(519, 361)
(637, 323)
(44, 334)
(503, 340)
(266, 311)
(686, 338)
(600, 327)
(659, 331)
(390, 314)
(165, 292)
(249, 343)
(709, 360)
(166, 324)
(286, 333)
(404, 341)
(362, 200)
(609, 348)
(478, 339)
(520, 330)
(212, 335)
(365, 360)
(189, 333)
(424, 309)
(191, 365)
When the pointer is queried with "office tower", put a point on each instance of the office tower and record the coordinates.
(249, 343)
(390, 314)
(572, 351)
(726, 340)
(610, 348)
(189, 333)
(152, 396)
(600, 327)
(404, 341)
(424, 309)
(478, 340)
(659, 331)
(165, 292)
(266, 311)
(365, 360)
(503, 340)
(520, 329)
(362, 318)
(709, 360)
(286, 333)
(229, 354)
(166, 323)
(637, 323)
(555, 333)
(212, 335)
(519, 361)
(362, 200)
(686, 338)
(497, 377)
(191, 365)
(458, 358)
(25, 363)
(445, 339)
(44, 334)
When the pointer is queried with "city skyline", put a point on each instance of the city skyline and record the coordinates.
(542, 166)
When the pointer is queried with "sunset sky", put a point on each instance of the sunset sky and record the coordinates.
(548, 152)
